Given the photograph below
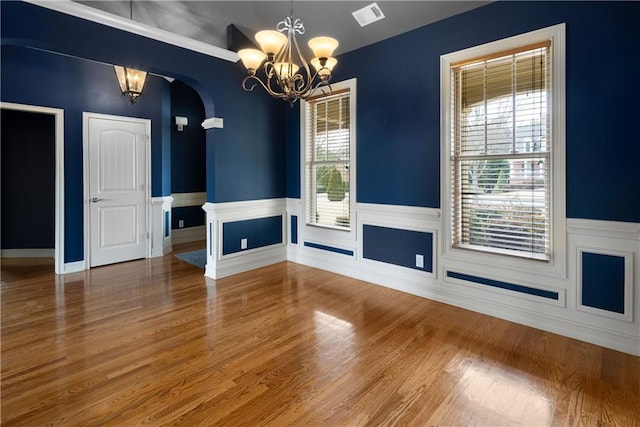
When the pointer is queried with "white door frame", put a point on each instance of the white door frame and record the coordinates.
(85, 178)
(59, 175)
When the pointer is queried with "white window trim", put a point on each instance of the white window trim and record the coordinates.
(318, 233)
(557, 264)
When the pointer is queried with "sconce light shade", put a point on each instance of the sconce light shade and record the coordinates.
(131, 82)
(181, 122)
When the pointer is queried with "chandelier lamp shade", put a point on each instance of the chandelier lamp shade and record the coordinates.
(286, 73)
(131, 82)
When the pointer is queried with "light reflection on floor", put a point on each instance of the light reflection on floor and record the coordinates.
(332, 334)
(502, 397)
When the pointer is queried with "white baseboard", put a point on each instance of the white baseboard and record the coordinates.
(255, 259)
(27, 253)
(74, 267)
(417, 284)
(191, 234)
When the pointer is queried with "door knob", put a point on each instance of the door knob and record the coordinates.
(96, 200)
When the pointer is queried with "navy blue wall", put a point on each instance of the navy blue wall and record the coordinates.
(188, 153)
(398, 116)
(245, 160)
(188, 166)
(399, 247)
(193, 216)
(28, 180)
(259, 232)
(603, 282)
(41, 78)
(292, 116)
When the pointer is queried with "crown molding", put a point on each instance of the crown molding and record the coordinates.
(90, 14)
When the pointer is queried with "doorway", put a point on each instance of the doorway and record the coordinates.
(47, 198)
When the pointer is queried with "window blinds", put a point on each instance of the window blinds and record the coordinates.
(501, 153)
(327, 150)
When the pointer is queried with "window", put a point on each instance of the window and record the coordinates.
(503, 150)
(329, 142)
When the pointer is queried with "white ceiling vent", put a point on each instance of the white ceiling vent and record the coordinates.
(368, 14)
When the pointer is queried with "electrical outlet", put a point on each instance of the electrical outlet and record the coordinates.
(243, 243)
(181, 223)
(419, 261)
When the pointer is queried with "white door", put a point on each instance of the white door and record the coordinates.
(118, 177)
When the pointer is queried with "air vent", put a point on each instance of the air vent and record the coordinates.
(368, 14)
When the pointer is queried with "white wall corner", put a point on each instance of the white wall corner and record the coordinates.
(161, 243)
(219, 266)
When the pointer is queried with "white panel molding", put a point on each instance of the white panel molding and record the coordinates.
(59, 176)
(560, 302)
(248, 209)
(607, 238)
(627, 315)
(188, 199)
(219, 266)
(250, 260)
(27, 253)
(410, 218)
(508, 307)
(561, 316)
(294, 207)
(606, 229)
(104, 18)
(406, 217)
(161, 244)
(189, 234)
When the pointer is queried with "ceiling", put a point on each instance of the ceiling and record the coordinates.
(207, 21)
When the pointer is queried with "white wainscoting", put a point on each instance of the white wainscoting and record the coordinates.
(218, 214)
(189, 234)
(161, 243)
(562, 315)
(188, 199)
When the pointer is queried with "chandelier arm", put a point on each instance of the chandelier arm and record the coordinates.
(304, 61)
(302, 86)
(265, 87)
(271, 75)
(320, 86)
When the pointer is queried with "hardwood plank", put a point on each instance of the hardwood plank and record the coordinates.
(155, 342)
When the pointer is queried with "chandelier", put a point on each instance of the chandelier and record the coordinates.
(131, 81)
(287, 74)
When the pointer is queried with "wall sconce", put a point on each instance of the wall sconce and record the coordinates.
(181, 122)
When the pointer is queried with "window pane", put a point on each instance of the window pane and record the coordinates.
(330, 205)
(504, 204)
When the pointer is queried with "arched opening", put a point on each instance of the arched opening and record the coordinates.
(188, 164)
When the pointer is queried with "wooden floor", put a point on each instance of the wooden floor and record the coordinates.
(154, 342)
